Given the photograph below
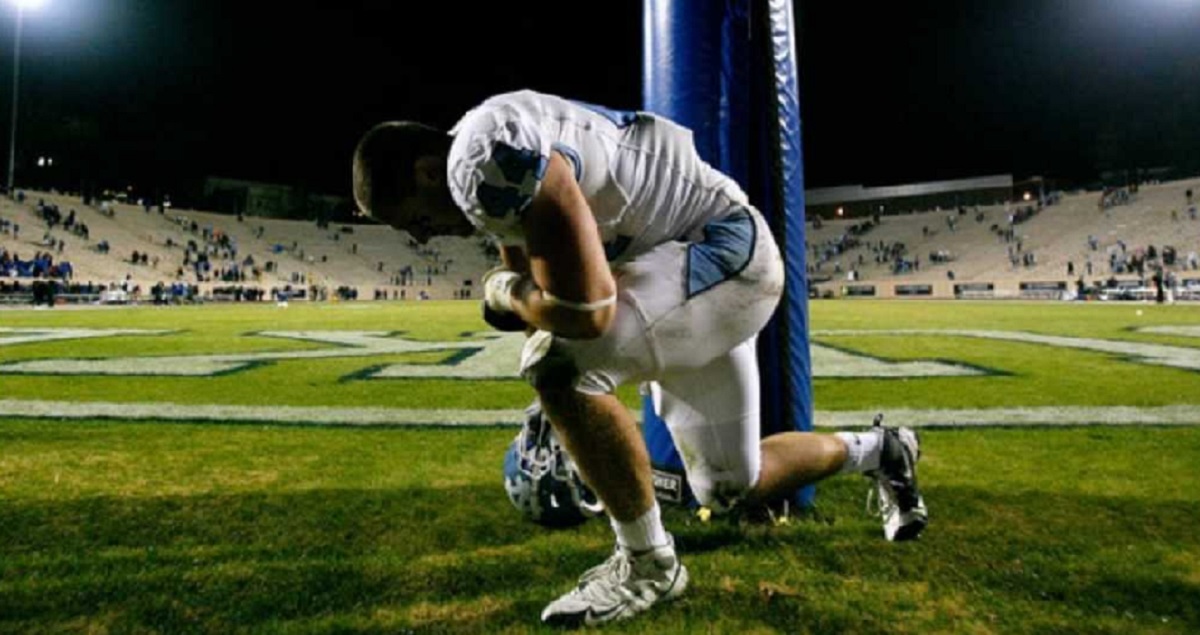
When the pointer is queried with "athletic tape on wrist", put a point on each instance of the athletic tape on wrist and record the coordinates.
(498, 289)
(579, 306)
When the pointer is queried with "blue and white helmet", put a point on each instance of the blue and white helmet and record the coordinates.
(541, 479)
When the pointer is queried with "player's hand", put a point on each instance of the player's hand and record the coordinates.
(498, 286)
(503, 320)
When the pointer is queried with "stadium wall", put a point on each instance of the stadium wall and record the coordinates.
(860, 201)
(270, 200)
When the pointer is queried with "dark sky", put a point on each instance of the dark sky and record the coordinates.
(164, 92)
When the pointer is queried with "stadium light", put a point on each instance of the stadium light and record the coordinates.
(22, 6)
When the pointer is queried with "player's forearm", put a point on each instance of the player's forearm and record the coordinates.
(570, 320)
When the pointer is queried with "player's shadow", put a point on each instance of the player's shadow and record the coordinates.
(219, 561)
(458, 558)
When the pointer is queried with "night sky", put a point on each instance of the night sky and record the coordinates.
(161, 93)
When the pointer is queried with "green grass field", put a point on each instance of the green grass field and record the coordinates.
(185, 524)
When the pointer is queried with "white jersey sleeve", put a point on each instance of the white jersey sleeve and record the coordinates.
(495, 167)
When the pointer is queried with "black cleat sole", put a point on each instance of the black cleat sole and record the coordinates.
(911, 530)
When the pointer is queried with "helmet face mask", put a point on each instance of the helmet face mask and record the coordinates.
(542, 481)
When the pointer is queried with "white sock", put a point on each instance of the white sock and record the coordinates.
(642, 534)
(862, 450)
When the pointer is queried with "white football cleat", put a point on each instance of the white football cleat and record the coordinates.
(623, 586)
(900, 503)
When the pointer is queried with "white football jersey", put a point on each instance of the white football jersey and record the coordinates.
(641, 174)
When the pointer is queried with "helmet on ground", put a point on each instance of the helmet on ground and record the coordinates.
(541, 479)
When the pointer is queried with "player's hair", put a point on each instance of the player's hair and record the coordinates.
(384, 160)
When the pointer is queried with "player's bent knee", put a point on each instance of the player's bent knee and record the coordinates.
(722, 492)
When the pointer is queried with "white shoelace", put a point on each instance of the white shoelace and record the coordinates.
(608, 583)
(605, 584)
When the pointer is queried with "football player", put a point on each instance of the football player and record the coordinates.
(629, 259)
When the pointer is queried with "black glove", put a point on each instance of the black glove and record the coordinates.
(506, 321)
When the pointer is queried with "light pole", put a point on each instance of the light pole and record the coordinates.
(22, 5)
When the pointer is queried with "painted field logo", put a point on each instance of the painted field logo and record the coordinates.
(491, 355)
(1140, 352)
(488, 355)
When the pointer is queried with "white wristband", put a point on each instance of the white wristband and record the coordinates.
(586, 307)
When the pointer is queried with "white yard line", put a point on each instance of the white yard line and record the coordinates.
(324, 415)
(318, 415)
(1038, 416)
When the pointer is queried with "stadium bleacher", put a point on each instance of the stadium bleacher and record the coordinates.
(1012, 250)
(1074, 230)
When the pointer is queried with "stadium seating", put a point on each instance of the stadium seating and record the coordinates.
(369, 261)
(1056, 235)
